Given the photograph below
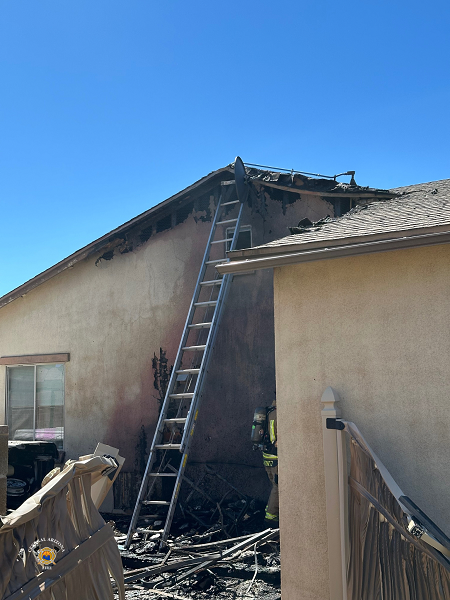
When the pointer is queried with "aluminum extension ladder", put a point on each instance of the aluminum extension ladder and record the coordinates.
(175, 428)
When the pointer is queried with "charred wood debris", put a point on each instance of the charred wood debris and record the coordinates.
(216, 549)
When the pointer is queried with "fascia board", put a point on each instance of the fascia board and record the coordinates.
(327, 243)
(370, 247)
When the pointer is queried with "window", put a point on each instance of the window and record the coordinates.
(35, 402)
(244, 238)
(342, 206)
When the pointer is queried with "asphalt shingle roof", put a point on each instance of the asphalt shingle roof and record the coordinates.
(414, 207)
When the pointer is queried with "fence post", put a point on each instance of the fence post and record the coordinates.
(3, 466)
(336, 484)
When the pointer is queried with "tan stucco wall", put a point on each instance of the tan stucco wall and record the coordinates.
(377, 329)
(110, 317)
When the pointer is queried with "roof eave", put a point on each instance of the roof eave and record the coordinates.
(99, 243)
(381, 243)
(267, 250)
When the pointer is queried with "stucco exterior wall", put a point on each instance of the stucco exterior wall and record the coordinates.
(112, 315)
(111, 318)
(377, 329)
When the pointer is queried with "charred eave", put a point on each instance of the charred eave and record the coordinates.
(123, 239)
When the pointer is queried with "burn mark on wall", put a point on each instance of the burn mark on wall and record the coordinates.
(183, 212)
(202, 208)
(180, 212)
(109, 255)
(204, 205)
(286, 198)
(257, 201)
(161, 375)
(146, 234)
(164, 224)
(141, 451)
(120, 245)
(126, 489)
(228, 194)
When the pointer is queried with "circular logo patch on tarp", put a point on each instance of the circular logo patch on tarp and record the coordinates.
(46, 551)
(46, 556)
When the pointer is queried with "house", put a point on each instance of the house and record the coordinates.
(87, 345)
(361, 303)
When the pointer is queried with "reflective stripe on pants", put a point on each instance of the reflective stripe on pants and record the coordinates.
(272, 508)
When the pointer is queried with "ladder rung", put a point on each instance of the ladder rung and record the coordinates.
(149, 531)
(167, 446)
(160, 502)
(176, 420)
(186, 395)
(220, 241)
(162, 474)
(212, 282)
(215, 262)
(226, 222)
(208, 303)
(194, 348)
(200, 326)
(188, 371)
(228, 203)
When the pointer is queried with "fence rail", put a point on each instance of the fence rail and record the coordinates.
(381, 545)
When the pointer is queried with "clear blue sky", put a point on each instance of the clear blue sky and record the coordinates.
(108, 107)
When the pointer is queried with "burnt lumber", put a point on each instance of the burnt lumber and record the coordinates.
(184, 567)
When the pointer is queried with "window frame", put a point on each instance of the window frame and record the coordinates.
(242, 229)
(35, 365)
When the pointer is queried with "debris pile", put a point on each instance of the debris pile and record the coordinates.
(243, 567)
(215, 550)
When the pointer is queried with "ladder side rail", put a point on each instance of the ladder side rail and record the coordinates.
(210, 341)
(174, 500)
(141, 494)
(188, 429)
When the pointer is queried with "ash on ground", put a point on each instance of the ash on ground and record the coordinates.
(215, 550)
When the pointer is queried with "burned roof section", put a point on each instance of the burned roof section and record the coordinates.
(174, 210)
(412, 207)
(297, 182)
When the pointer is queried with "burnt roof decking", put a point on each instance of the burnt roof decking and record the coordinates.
(323, 185)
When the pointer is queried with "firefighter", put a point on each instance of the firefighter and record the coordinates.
(270, 458)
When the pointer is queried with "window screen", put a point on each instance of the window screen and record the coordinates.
(36, 402)
(21, 402)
